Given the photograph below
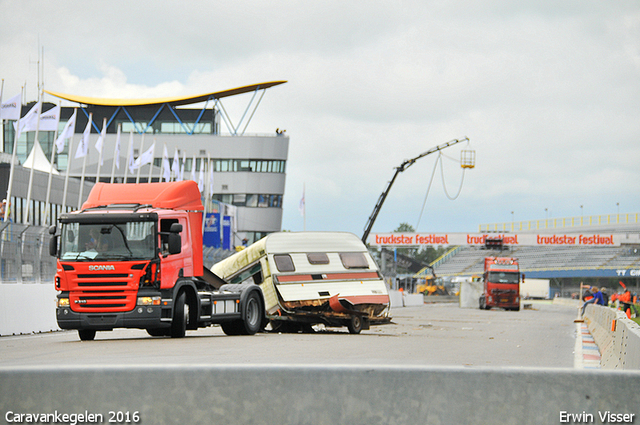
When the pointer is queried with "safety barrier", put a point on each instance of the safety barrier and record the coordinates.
(401, 299)
(274, 394)
(617, 337)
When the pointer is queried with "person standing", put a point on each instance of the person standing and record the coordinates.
(597, 299)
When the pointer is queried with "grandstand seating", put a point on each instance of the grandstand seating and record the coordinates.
(469, 260)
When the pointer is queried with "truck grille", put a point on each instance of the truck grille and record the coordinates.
(103, 292)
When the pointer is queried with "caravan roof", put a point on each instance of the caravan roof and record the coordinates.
(293, 242)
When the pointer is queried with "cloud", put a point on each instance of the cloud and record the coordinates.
(547, 92)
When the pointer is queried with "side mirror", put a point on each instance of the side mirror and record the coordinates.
(53, 246)
(53, 229)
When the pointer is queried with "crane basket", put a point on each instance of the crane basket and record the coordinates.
(467, 158)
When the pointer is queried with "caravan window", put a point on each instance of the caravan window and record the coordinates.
(354, 260)
(318, 258)
(284, 263)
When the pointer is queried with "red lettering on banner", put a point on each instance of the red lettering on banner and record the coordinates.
(595, 240)
(556, 240)
(432, 239)
(476, 240)
(394, 240)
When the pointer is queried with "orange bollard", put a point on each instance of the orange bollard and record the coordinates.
(628, 313)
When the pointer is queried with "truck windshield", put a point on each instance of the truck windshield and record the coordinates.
(504, 277)
(116, 241)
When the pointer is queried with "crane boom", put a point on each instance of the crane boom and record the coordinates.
(406, 164)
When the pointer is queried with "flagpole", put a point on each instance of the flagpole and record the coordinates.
(12, 167)
(303, 209)
(207, 191)
(66, 177)
(26, 207)
(140, 154)
(129, 155)
(103, 135)
(116, 152)
(84, 162)
(53, 153)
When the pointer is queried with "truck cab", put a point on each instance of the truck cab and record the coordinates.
(128, 264)
(501, 284)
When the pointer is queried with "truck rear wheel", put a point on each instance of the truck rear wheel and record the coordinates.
(252, 314)
(86, 334)
(252, 317)
(180, 316)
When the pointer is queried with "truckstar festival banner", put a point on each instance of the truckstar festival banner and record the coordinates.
(506, 239)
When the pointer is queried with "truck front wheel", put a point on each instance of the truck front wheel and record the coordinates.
(86, 334)
(180, 316)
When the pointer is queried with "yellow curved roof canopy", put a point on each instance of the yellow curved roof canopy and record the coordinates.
(174, 101)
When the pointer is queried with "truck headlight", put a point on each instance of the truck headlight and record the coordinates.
(148, 301)
(63, 302)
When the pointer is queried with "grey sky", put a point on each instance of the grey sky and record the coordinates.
(547, 92)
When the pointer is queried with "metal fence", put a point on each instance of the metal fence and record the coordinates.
(24, 254)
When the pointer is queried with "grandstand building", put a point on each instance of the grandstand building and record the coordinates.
(248, 170)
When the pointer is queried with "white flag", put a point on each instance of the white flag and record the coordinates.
(210, 178)
(10, 110)
(166, 166)
(131, 164)
(184, 160)
(83, 146)
(201, 176)
(145, 158)
(193, 169)
(302, 206)
(49, 120)
(67, 132)
(29, 121)
(117, 152)
(100, 142)
(175, 166)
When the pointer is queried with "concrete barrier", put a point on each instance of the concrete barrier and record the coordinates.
(27, 308)
(316, 395)
(402, 299)
(617, 337)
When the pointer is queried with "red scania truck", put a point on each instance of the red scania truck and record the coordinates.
(132, 258)
(501, 283)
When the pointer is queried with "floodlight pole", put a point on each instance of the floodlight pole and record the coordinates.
(406, 164)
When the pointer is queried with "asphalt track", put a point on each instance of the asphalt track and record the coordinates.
(430, 335)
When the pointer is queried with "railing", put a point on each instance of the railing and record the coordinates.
(24, 254)
(560, 223)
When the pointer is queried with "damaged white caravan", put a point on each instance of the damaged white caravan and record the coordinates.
(309, 278)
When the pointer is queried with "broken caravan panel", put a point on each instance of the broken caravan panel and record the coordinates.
(312, 277)
(132, 258)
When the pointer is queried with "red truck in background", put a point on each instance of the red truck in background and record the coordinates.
(501, 283)
(132, 258)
